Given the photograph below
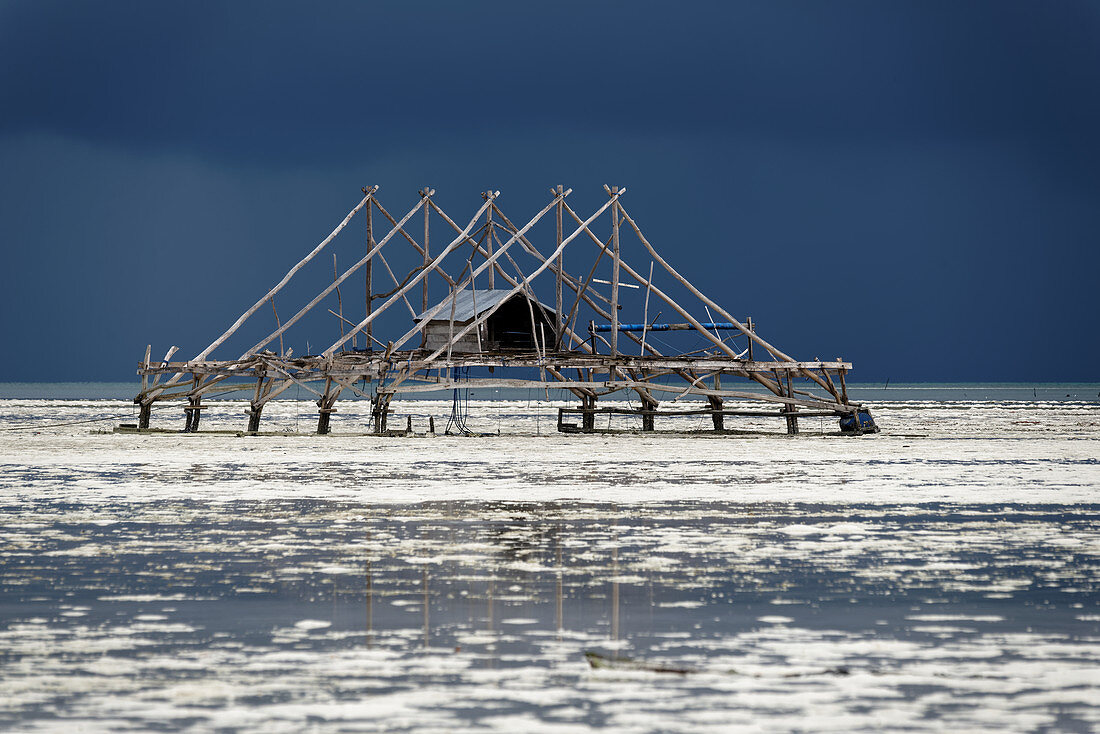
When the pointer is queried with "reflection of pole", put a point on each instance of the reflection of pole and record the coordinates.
(615, 593)
(490, 627)
(561, 619)
(425, 607)
(370, 605)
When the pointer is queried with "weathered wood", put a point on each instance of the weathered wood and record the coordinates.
(484, 316)
(396, 368)
(368, 277)
(286, 279)
(489, 242)
(426, 193)
(481, 318)
(349, 363)
(319, 297)
(679, 309)
(790, 409)
(477, 245)
(438, 259)
(145, 365)
(645, 310)
(616, 257)
(339, 303)
(776, 353)
(558, 274)
(144, 411)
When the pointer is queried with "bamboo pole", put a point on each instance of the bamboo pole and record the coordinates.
(477, 245)
(339, 300)
(645, 309)
(416, 245)
(679, 309)
(557, 290)
(489, 312)
(428, 315)
(426, 194)
(368, 276)
(775, 352)
(617, 385)
(615, 258)
(145, 368)
(397, 283)
(286, 278)
(317, 299)
(581, 295)
(446, 251)
(489, 243)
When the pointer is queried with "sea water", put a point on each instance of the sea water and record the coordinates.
(943, 575)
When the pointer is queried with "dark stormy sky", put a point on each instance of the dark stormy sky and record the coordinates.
(913, 186)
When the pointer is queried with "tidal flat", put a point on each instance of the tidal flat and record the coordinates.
(942, 575)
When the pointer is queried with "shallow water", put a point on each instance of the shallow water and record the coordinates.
(940, 576)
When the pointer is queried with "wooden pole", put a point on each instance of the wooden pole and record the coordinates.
(416, 279)
(699, 294)
(645, 309)
(426, 193)
(339, 300)
(145, 367)
(416, 245)
(286, 278)
(256, 407)
(668, 299)
(489, 242)
(368, 277)
(615, 260)
(716, 404)
(320, 296)
(476, 322)
(557, 291)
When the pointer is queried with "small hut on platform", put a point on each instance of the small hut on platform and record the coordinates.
(487, 316)
(515, 322)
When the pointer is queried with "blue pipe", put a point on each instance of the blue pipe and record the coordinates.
(661, 327)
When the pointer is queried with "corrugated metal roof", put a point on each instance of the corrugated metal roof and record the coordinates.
(464, 304)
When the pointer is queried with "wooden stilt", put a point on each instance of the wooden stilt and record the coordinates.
(649, 408)
(193, 411)
(716, 405)
(380, 411)
(411, 369)
(790, 409)
(144, 412)
(256, 407)
(588, 418)
(325, 406)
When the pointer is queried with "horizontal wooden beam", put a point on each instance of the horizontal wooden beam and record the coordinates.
(367, 362)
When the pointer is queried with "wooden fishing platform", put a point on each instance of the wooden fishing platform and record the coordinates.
(499, 331)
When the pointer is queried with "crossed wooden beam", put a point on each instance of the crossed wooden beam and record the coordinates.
(483, 247)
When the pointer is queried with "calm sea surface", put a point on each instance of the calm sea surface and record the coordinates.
(941, 576)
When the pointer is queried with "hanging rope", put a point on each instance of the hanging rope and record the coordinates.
(460, 403)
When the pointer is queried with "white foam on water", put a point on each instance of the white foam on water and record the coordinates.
(632, 514)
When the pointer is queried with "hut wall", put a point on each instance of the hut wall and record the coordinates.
(437, 333)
